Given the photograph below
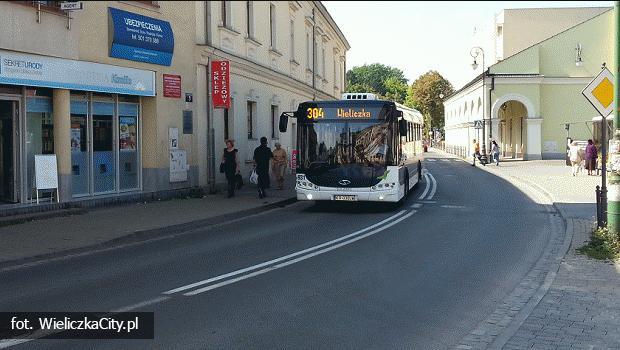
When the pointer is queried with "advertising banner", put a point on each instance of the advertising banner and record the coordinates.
(43, 71)
(140, 38)
(220, 84)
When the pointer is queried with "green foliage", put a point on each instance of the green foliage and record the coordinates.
(385, 81)
(603, 245)
(424, 95)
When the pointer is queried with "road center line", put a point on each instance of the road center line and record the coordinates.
(426, 187)
(273, 261)
(142, 304)
(301, 258)
(432, 194)
(416, 205)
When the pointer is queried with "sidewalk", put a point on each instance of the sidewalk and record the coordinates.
(580, 308)
(98, 227)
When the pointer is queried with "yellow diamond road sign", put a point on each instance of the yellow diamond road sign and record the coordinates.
(600, 92)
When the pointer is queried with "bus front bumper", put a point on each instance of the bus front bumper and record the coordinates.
(326, 195)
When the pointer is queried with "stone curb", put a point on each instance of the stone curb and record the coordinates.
(142, 236)
(478, 339)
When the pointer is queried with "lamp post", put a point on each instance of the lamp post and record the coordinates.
(475, 52)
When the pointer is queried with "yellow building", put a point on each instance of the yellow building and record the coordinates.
(526, 99)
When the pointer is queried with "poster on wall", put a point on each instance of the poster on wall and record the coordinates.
(127, 133)
(172, 85)
(178, 165)
(220, 84)
(76, 139)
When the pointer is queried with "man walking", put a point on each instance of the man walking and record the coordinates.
(262, 156)
(476, 154)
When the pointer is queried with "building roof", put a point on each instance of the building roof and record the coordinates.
(333, 24)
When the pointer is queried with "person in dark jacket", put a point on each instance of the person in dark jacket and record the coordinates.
(231, 166)
(262, 156)
(591, 155)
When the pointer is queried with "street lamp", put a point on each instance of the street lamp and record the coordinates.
(475, 52)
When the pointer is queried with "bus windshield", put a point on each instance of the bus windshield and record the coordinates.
(357, 151)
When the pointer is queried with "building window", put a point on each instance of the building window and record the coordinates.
(249, 10)
(308, 65)
(226, 14)
(292, 40)
(335, 73)
(251, 118)
(272, 25)
(323, 62)
(274, 122)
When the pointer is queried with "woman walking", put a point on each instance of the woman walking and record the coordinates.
(575, 158)
(231, 166)
(495, 152)
(591, 155)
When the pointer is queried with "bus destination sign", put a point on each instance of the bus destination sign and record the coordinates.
(338, 113)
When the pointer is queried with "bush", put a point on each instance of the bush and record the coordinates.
(604, 245)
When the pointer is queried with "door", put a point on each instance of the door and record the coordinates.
(8, 151)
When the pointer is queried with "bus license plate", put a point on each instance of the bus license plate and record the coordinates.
(344, 198)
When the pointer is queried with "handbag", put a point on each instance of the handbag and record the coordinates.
(239, 181)
(222, 168)
(254, 177)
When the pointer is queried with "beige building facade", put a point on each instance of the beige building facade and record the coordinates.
(118, 92)
(281, 53)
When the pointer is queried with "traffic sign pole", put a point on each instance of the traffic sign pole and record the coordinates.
(613, 205)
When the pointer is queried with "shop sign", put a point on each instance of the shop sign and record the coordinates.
(220, 84)
(140, 38)
(172, 85)
(58, 73)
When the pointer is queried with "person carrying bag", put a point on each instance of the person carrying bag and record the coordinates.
(230, 166)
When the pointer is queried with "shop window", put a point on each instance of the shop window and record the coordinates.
(251, 114)
(128, 146)
(79, 150)
(39, 136)
(104, 173)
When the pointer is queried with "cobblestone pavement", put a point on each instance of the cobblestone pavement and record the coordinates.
(567, 301)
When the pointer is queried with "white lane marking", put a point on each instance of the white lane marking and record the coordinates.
(426, 187)
(416, 205)
(427, 201)
(142, 304)
(454, 206)
(301, 258)
(432, 194)
(273, 261)
(431, 160)
(445, 160)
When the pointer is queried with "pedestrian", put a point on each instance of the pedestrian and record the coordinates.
(262, 156)
(278, 165)
(495, 152)
(575, 158)
(476, 154)
(230, 163)
(591, 155)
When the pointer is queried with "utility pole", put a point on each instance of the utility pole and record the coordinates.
(613, 205)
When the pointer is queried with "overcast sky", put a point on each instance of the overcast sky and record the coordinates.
(420, 36)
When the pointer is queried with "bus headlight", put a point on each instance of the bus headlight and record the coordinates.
(309, 196)
(381, 197)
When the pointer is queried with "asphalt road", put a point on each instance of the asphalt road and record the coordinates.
(421, 279)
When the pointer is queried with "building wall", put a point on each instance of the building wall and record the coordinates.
(159, 113)
(279, 75)
(20, 31)
(523, 28)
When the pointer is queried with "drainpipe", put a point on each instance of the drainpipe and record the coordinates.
(491, 109)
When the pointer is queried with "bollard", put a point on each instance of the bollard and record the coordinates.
(599, 219)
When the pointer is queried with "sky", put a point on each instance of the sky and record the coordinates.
(418, 36)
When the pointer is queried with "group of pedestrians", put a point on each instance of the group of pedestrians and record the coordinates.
(494, 153)
(263, 155)
(577, 156)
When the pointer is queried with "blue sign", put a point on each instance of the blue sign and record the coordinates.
(140, 38)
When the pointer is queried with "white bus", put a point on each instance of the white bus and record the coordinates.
(356, 149)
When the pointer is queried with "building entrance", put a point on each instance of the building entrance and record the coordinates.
(8, 151)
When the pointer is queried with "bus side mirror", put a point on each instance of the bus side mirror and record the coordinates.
(402, 127)
(283, 122)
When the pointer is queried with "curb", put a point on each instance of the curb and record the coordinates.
(142, 236)
(526, 310)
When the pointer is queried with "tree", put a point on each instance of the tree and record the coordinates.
(423, 95)
(385, 81)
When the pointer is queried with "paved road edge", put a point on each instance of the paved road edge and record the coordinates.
(141, 236)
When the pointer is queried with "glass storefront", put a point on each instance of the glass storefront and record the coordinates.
(39, 136)
(99, 166)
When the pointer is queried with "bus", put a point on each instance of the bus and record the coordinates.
(356, 149)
